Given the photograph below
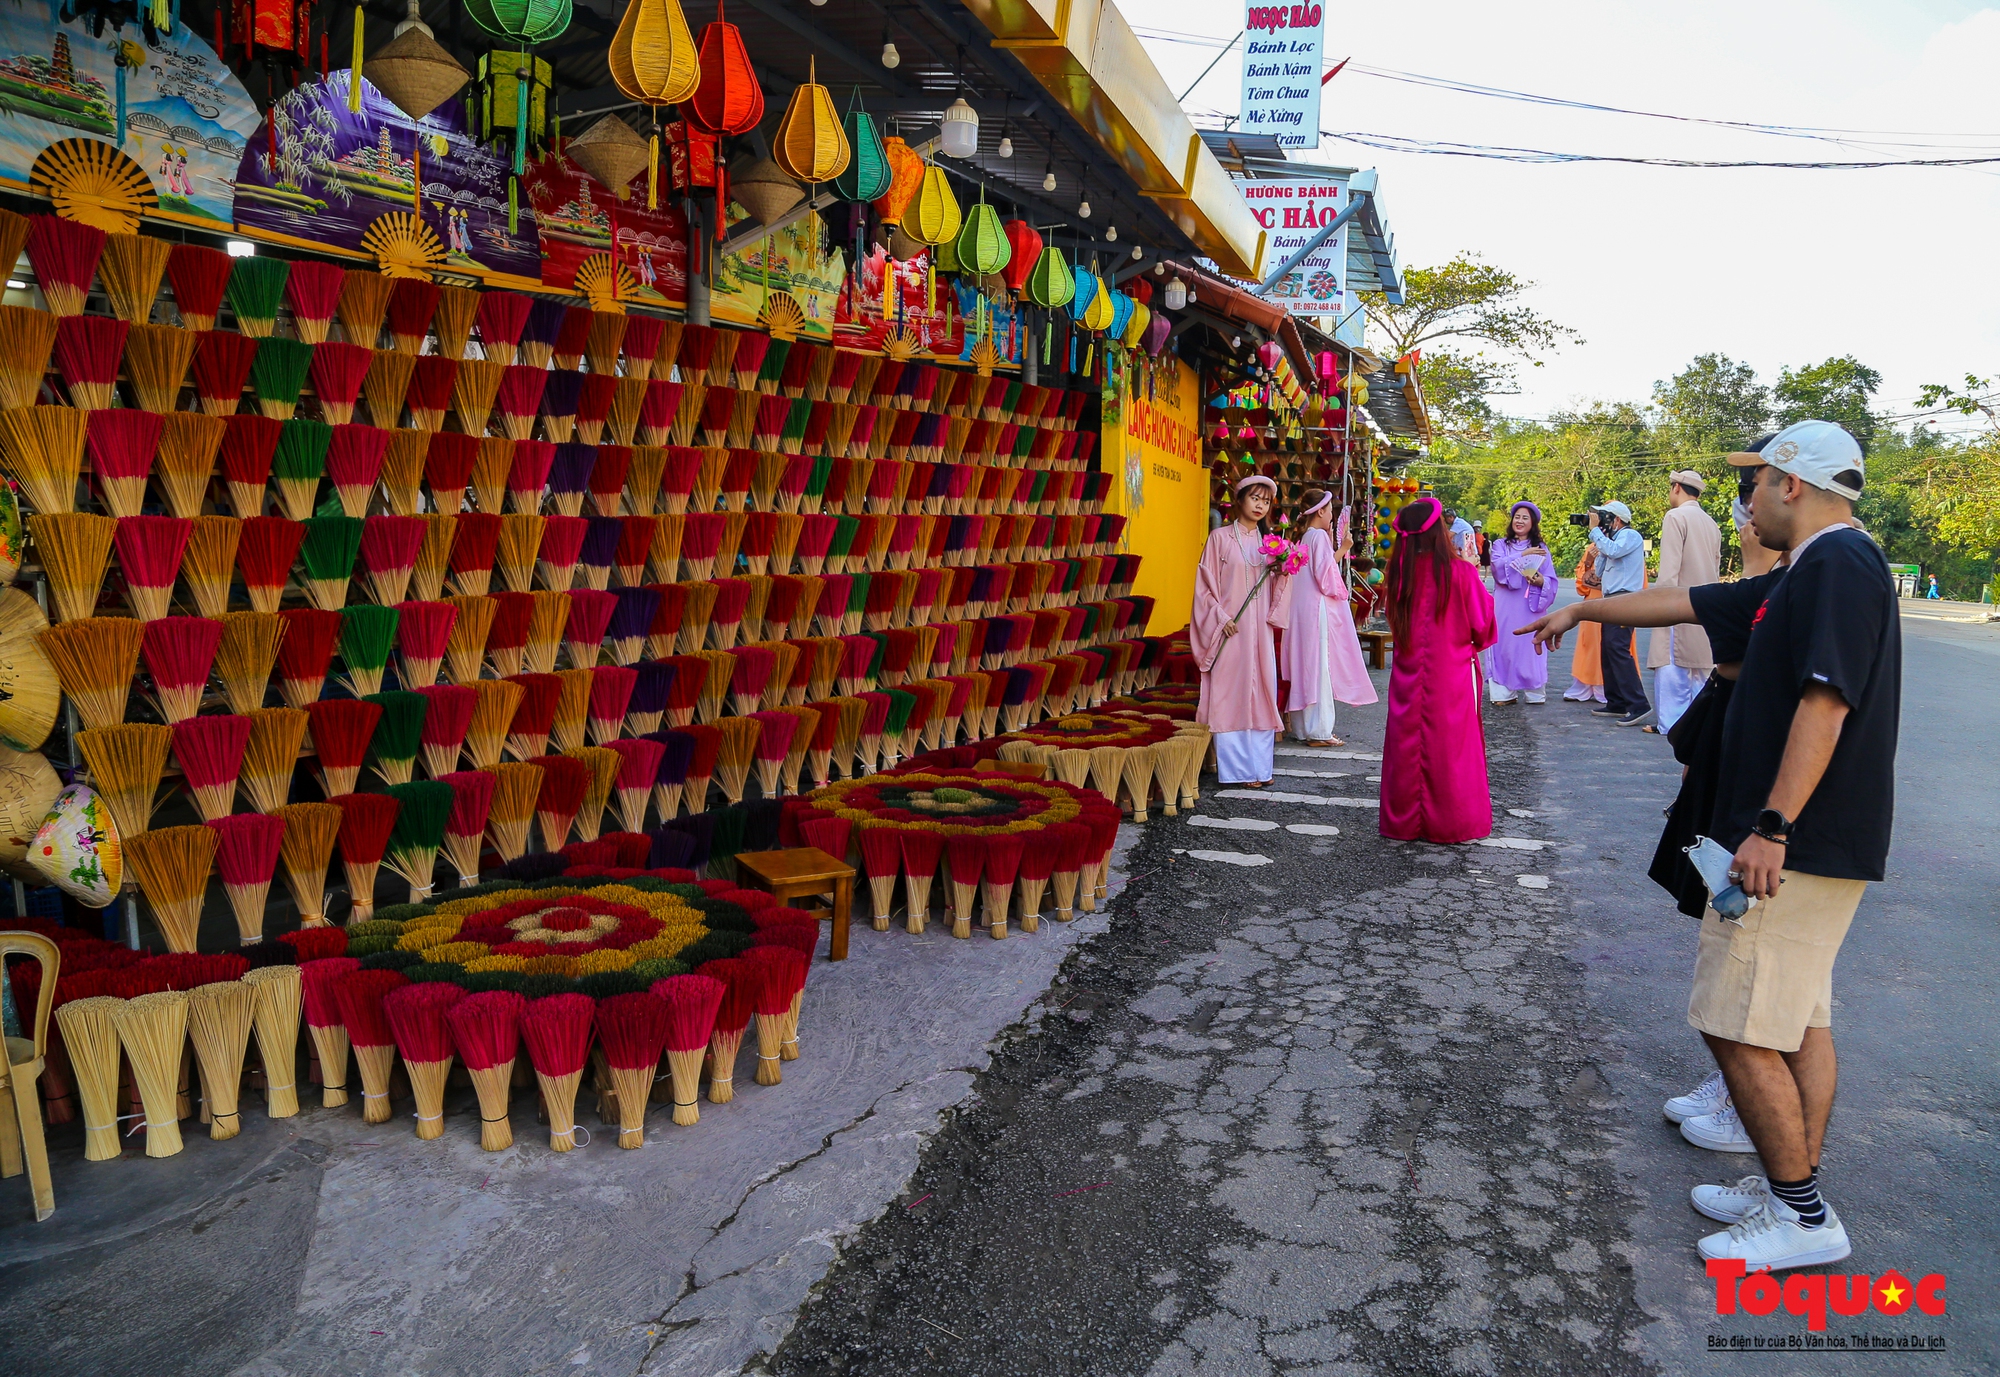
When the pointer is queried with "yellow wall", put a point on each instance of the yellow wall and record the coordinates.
(1152, 449)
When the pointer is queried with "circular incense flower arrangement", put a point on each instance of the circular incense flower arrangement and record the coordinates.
(990, 836)
(1135, 750)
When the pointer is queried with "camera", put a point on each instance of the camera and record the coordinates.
(1579, 518)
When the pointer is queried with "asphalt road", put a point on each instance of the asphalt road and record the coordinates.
(1375, 1107)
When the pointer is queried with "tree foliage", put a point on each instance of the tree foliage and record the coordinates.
(1714, 404)
(1840, 390)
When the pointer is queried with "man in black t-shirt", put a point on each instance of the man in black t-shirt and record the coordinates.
(1805, 799)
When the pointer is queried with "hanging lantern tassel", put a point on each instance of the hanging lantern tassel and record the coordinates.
(417, 171)
(653, 170)
(354, 71)
(523, 74)
(121, 94)
(888, 284)
(513, 206)
(930, 281)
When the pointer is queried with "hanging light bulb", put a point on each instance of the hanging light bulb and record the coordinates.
(1111, 234)
(958, 137)
(1083, 209)
(1137, 253)
(1176, 295)
(1006, 147)
(890, 57)
(1049, 178)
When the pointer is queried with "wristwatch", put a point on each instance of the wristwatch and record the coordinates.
(1773, 826)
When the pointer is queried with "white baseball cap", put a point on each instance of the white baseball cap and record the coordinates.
(1817, 452)
(1617, 509)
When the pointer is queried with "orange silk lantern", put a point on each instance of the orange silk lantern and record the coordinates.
(1027, 246)
(729, 99)
(906, 178)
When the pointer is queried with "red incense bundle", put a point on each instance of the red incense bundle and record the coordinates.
(319, 983)
(507, 638)
(366, 820)
(447, 718)
(64, 255)
(701, 766)
(471, 802)
(199, 276)
(529, 474)
(486, 1030)
(305, 652)
(557, 1031)
(636, 776)
(313, 289)
(149, 555)
(607, 481)
(528, 735)
(359, 996)
(416, 1015)
(662, 403)
(245, 457)
(473, 551)
(692, 1003)
(771, 997)
(430, 394)
(595, 398)
(246, 856)
(210, 753)
(88, 350)
(337, 371)
(572, 338)
(589, 615)
(519, 399)
(664, 632)
(448, 469)
(562, 542)
(122, 442)
(179, 653)
(422, 632)
(501, 318)
(389, 548)
(610, 694)
(921, 850)
(341, 731)
(1003, 863)
(635, 542)
(565, 780)
(774, 743)
(881, 854)
(354, 462)
(678, 473)
(641, 344)
(411, 306)
(632, 1032)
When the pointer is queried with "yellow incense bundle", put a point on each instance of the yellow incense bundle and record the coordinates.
(90, 1037)
(41, 448)
(245, 657)
(604, 765)
(403, 470)
(305, 854)
(472, 394)
(156, 364)
(130, 270)
(126, 762)
(364, 301)
(516, 786)
(489, 473)
(27, 339)
(492, 716)
(75, 549)
(433, 558)
(279, 999)
(95, 661)
(571, 722)
(386, 384)
(465, 648)
(271, 756)
(186, 460)
(153, 1030)
(546, 622)
(171, 866)
(210, 562)
(220, 1015)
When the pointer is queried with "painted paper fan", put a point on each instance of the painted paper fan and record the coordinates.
(403, 245)
(93, 183)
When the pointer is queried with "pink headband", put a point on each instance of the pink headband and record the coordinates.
(1256, 478)
(1324, 498)
(1437, 510)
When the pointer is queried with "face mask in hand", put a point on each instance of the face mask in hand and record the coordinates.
(1739, 512)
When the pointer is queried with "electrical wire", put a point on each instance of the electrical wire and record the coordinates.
(1398, 143)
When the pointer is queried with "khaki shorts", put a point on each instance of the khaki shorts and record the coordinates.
(1768, 980)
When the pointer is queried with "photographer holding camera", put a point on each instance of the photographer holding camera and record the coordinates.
(1621, 564)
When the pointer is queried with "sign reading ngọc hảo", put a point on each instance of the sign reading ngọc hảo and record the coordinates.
(1282, 52)
(1152, 449)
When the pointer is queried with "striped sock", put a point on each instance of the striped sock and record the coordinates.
(1803, 1197)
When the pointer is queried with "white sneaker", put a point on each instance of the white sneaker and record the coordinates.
(1721, 1131)
(1730, 1204)
(1771, 1239)
(1706, 1098)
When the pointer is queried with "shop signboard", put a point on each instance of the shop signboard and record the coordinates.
(1282, 50)
(1292, 210)
(1152, 448)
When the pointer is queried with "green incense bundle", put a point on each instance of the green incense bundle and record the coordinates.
(1039, 486)
(1024, 442)
(844, 528)
(256, 286)
(657, 968)
(901, 705)
(541, 984)
(857, 603)
(424, 807)
(605, 984)
(278, 373)
(795, 420)
(328, 553)
(816, 485)
(773, 371)
(299, 462)
(367, 632)
(1012, 399)
(881, 639)
(399, 735)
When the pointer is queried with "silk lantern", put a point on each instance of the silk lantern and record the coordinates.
(1122, 307)
(810, 144)
(1135, 326)
(1097, 316)
(868, 173)
(906, 177)
(981, 244)
(1084, 295)
(1024, 254)
(1050, 283)
(938, 217)
(727, 99)
(653, 60)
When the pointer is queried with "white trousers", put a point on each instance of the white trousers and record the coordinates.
(1245, 757)
(1673, 689)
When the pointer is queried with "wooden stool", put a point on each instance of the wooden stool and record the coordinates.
(803, 871)
(1379, 644)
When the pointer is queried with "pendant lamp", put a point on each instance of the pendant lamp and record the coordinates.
(415, 73)
(1085, 293)
(810, 144)
(868, 172)
(1050, 283)
(612, 152)
(652, 56)
(937, 217)
(728, 99)
(981, 244)
(526, 21)
(1097, 316)
(906, 177)
(1024, 254)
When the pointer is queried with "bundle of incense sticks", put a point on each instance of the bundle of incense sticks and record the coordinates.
(528, 474)
(319, 981)
(180, 652)
(386, 386)
(364, 300)
(547, 621)
(570, 726)
(515, 786)
(126, 762)
(507, 639)
(75, 548)
(264, 555)
(130, 270)
(298, 463)
(639, 768)
(245, 656)
(448, 465)
(599, 551)
(534, 715)
(738, 751)
(256, 287)
(696, 610)
(664, 633)
(632, 1032)
(367, 634)
(467, 644)
(565, 780)
(610, 467)
(246, 855)
(210, 751)
(327, 554)
(305, 651)
(354, 459)
(278, 375)
(589, 618)
(670, 412)
(121, 444)
(520, 539)
(571, 337)
(64, 255)
(501, 317)
(27, 338)
(87, 352)
(313, 291)
(472, 552)
(431, 391)
(412, 303)
(559, 401)
(397, 733)
(465, 825)
(610, 693)
(489, 473)
(604, 336)
(636, 538)
(492, 720)
(457, 311)
(773, 745)
(677, 749)
(186, 460)
(360, 995)
(41, 448)
(425, 808)
(486, 1030)
(210, 560)
(567, 475)
(389, 549)
(434, 557)
(594, 400)
(628, 399)
(631, 623)
(557, 1031)
(366, 821)
(95, 659)
(422, 630)
(472, 394)
(447, 718)
(556, 555)
(403, 458)
(519, 399)
(152, 1030)
(156, 365)
(248, 446)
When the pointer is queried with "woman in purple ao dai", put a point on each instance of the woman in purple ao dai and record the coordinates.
(1524, 587)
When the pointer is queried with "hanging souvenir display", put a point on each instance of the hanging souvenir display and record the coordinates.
(653, 60)
(511, 109)
(936, 220)
(868, 173)
(728, 98)
(415, 72)
(906, 176)
(612, 152)
(810, 144)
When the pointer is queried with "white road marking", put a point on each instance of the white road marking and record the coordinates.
(1312, 829)
(1532, 881)
(1279, 796)
(1246, 858)
(1328, 755)
(1519, 813)
(1311, 774)
(1234, 824)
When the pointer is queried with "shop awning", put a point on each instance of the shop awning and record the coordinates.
(1395, 400)
(1224, 306)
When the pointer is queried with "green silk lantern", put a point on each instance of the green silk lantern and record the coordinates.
(867, 175)
(981, 244)
(529, 21)
(1050, 285)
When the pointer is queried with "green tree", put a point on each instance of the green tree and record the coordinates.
(1839, 390)
(1449, 311)
(1713, 406)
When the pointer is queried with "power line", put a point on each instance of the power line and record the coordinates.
(1397, 143)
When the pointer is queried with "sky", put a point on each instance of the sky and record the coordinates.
(1899, 267)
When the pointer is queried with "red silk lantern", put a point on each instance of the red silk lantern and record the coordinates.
(906, 177)
(1027, 246)
(1140, 290)
(728, 100)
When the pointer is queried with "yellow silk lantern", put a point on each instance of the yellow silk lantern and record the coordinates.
(653, 58)
(1135, 328)
(938, 217)
(906, 177)
(1097, 315)
(811, 145)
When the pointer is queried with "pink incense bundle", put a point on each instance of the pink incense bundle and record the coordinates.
(519, 399)
(573, 338)
(732, 597)
(589, 616)
(562, 542)
(447, 718)
(246, 856)
(528, 734)
(774, 743)
(199, 276)
(313, 289)
(179, 653)
(422, 631)
(430, 393)
(366, 822)
(529, 474)
(411, 306)
(564, 782)
(486, 1030)
(416, 1016)
(473, 551)
(87, 352)
(662, 402)
(607, 480)
(636, 776)
(501, 318)
(122, 442)
(389, 547)
(692, 1003)
(701, 540)
(341, 731)
(149, 554)
(245, 457)
(337, 371)
(507, 638)
(632, 1033)
(465, 828)
(610, 694)
(210, 753)
(264, 554)
(311, 633)
(448, 469)
(353, 463)
(677, 478)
